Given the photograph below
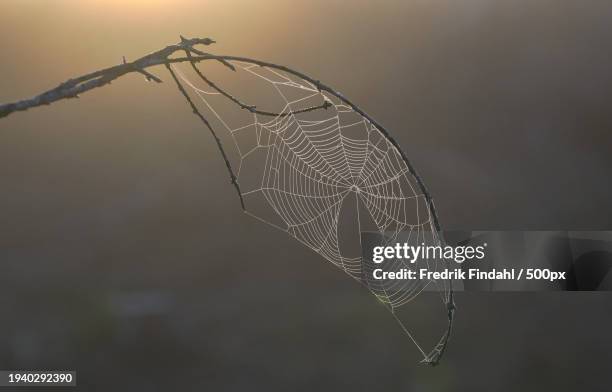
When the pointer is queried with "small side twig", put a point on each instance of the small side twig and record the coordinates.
(252, 108)
(195, 110)
(148, 76)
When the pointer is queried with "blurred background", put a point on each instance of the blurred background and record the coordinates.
(125, 256)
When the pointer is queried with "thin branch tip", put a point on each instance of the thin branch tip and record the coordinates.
(73, 87)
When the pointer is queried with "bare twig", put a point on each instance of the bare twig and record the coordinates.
(73, 87)
(195, 110)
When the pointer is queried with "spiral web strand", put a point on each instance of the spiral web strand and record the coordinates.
(301, 171)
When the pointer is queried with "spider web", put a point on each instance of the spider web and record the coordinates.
(325, 177)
